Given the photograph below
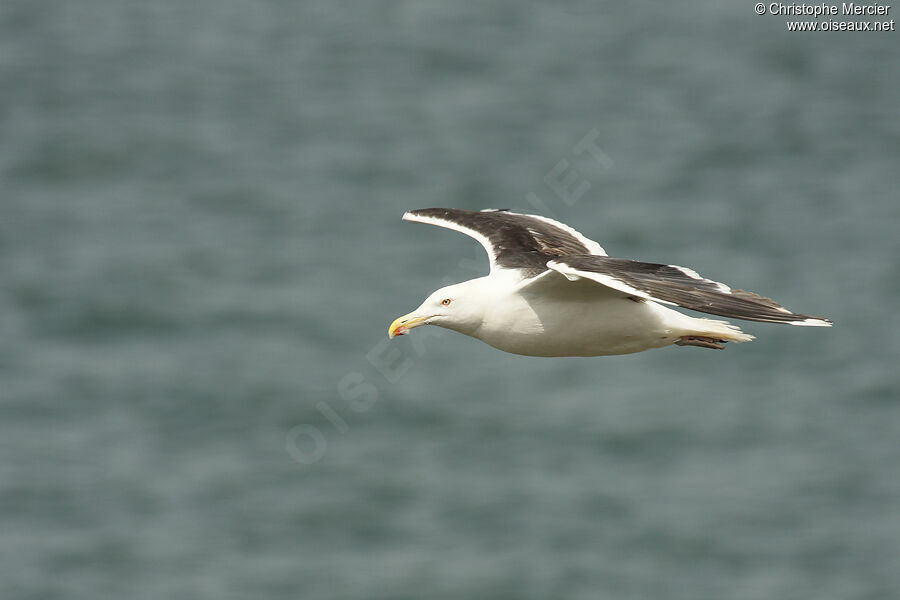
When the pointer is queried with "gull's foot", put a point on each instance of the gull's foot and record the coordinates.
(703, 342)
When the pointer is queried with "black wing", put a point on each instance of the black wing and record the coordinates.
(512, 240)
(680, 286)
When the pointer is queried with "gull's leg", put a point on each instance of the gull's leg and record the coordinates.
(703, 342)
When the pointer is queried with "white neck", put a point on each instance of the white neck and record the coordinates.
(481, 299)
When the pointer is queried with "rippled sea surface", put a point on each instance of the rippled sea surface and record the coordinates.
(200, 252)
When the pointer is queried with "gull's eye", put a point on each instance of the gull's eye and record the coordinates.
(445, 302)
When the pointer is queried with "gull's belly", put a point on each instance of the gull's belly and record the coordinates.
(602, 327)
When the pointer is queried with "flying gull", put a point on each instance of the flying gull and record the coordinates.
(553, 292)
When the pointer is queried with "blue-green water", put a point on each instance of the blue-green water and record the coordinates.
(200, 252)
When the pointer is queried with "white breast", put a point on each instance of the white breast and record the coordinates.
(599, 324)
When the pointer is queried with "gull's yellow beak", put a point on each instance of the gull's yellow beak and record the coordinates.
(403, 324)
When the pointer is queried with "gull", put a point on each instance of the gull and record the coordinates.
(553, 292)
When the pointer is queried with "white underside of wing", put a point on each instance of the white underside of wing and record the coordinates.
(611, 282)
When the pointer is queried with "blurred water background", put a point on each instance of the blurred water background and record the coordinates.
(200, 252)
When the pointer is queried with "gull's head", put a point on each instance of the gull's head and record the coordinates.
(455, 307)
